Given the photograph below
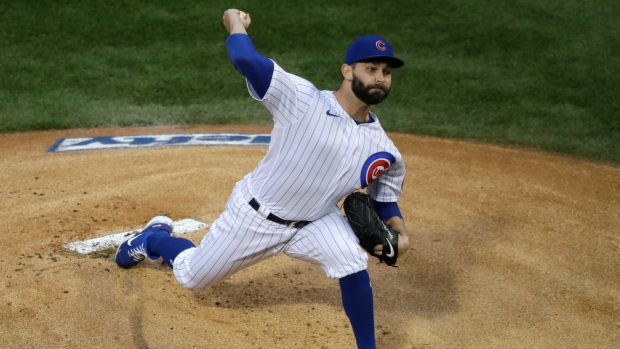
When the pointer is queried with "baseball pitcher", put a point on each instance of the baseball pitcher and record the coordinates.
(324, 146)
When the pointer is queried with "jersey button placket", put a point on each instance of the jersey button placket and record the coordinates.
(352, 151)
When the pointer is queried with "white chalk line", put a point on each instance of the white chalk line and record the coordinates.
(182, 226)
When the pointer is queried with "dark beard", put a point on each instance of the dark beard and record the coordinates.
(363, 92)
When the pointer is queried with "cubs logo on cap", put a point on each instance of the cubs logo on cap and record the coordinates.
(373, 48)
(380, 45)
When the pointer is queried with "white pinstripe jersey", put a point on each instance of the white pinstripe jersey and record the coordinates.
(318, 153)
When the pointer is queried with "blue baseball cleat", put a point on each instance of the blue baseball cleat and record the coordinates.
(133, 250)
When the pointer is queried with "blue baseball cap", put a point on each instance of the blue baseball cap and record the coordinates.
(374, 48)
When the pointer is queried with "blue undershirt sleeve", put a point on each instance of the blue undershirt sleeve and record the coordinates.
(387, 210)
(256, 68)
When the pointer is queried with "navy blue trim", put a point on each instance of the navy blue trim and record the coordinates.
(370, 120)
(256, 68)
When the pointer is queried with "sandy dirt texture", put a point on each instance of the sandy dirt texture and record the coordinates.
(512, 249)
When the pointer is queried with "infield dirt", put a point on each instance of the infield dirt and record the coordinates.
(512, 249)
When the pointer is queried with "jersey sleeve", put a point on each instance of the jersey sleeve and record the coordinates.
(288, 97)
(388, 187)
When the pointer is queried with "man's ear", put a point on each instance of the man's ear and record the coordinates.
(347, 72)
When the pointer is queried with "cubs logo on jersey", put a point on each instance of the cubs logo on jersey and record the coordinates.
(375, 166)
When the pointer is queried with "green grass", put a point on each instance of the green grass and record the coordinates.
(540, 74)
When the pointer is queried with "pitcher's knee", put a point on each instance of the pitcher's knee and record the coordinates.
(187, 276)
(192, 280)
(192, 284)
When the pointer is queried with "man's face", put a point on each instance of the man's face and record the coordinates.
(371, 82)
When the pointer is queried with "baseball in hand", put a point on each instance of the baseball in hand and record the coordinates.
(242, 14)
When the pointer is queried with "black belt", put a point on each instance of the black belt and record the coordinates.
(272, 217)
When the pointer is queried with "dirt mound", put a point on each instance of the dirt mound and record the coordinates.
(512, 249)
